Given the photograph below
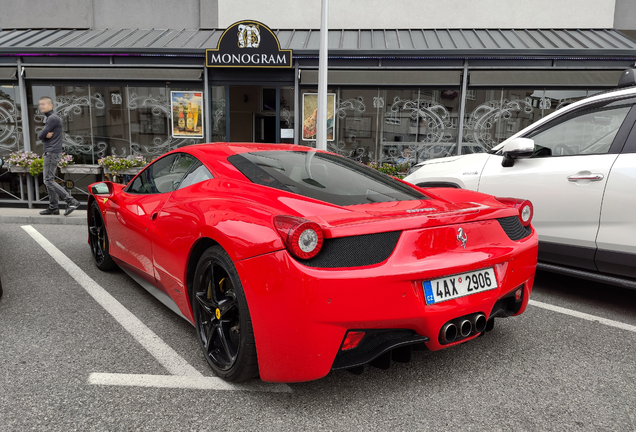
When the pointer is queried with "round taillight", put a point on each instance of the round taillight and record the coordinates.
(303, 238)
(524, 207)
(526, 214)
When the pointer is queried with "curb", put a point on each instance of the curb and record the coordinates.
(43, 220)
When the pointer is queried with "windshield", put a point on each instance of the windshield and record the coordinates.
(322, 176)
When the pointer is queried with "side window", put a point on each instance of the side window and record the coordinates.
(197, 174)
(170, 177)
(163, 175)
(590, 132)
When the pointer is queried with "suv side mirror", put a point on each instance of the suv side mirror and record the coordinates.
(517, 148)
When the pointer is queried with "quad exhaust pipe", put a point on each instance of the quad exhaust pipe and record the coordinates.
(462, 327)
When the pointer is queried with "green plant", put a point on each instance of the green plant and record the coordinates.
(392, 170)
(117, 164)
(36, 167)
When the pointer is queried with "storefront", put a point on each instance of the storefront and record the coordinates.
(395, 95)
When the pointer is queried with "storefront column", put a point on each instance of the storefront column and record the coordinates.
(208, 105)
(227, 113)
(462, 108)
(24, 112)
(277, 114)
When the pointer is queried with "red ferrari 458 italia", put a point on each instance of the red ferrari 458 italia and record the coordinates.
(291, 262)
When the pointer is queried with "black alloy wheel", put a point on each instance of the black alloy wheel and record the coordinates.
(222, 318)
(98, 238)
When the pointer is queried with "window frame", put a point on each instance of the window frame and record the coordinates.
(128, 187)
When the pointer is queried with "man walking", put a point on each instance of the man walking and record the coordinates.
(52, 136)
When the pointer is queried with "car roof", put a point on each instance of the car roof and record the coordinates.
(605, 95)
(225, 148)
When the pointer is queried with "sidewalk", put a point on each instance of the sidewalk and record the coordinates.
(32, 216)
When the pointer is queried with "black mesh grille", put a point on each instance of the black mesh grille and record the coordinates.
(513, 228)
(355, 251)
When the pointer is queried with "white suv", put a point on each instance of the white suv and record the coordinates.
(578, 167)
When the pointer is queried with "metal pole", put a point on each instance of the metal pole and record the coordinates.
(321, 123)
(462, 109)
(207, 106)
(297, 130)
(24, 110)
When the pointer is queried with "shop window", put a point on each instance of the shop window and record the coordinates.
(110, 121)
(149, 110)
(73, 104)
(391, 125)
(494, 115)
(10, 137)
(10, 121)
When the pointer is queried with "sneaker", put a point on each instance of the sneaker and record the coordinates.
(70, 208)
(49, 211)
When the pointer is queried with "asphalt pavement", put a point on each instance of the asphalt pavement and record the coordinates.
(542, 371)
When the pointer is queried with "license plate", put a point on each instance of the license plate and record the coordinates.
(464, 284)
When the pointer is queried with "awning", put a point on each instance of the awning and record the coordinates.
(420, 42)
(113, 73)
(544, 78)
(386, 77)
(8, 73)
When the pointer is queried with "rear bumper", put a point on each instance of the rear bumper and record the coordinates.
(300, 315)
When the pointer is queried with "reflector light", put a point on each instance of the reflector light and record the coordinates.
(518, 294)
(303, 238)
(352, 340)
(524, 207)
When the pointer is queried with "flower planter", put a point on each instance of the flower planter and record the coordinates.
(18, 169)
(129, 171)
(81, 169)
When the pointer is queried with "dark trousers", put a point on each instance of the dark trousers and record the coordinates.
(55, 190)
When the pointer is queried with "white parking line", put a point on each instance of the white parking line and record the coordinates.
(183, 374)
(588, 317)
(171, 381)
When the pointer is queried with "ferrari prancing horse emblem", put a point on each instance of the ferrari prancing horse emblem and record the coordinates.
(462, 237)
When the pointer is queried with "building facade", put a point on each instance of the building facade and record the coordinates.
(409, 80)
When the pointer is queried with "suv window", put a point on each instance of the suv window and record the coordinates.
(322, 176)
(589, 132)
(163, 175)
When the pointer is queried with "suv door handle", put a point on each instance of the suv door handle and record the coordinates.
(590, 177)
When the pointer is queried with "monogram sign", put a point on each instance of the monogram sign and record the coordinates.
(248, 44)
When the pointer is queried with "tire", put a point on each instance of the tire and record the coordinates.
(98, 239)
(222, 318)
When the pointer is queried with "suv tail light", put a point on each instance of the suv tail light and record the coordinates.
(524, 207)
(303, 238)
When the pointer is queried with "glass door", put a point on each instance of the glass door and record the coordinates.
(261, 114)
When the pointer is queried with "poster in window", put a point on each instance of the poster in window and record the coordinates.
(186, 114)
(310, 113)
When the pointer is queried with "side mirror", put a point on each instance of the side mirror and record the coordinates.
(100, 189)
(517, 148)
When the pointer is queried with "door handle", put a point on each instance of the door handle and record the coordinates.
(154, 216)
(590, 177)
